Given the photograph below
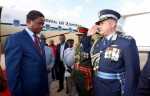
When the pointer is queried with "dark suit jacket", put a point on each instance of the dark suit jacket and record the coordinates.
(144, 81)
(59, 66)
(25, 66)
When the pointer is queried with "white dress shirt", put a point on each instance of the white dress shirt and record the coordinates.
(62, 46)
(31, 34)
(110, 35)
(69, 59)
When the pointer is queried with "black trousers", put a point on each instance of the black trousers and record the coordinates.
(61, 80)
(105, 87)
(61, 75)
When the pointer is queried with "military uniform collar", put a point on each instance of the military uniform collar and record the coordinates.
(112, 36)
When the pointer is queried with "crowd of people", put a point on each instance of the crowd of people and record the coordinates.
(32, 64)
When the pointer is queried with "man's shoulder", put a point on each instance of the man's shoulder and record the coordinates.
(125, 38)
(68, 49)
(17, 34)
(126, 41)
(15, 38)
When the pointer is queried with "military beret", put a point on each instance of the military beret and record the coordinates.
(82, 30)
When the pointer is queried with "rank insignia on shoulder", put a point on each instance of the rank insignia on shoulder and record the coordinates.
(126, 36)
(114, 37)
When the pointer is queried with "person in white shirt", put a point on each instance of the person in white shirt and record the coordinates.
(69, 60)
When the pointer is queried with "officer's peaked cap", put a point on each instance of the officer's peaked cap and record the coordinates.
(106, 14)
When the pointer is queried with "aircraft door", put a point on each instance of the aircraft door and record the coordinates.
(0, 21)
(0, 12)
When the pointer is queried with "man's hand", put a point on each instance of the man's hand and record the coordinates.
(93, 30)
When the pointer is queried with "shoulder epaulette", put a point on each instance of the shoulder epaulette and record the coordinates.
(123, 35)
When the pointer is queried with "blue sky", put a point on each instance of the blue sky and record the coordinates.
(84, 12)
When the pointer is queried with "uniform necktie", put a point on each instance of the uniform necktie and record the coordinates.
(105, 41)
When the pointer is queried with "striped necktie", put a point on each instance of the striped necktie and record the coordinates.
(37, 44)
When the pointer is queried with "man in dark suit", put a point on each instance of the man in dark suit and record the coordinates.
(25, 59)
(144, 81)
(118, 69)
(59, 66)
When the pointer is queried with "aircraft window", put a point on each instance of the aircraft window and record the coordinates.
(61, 23)
(66, 23)
(70, 29)
(44, 28)
(47, 26)
(16, 22)
(59, 27)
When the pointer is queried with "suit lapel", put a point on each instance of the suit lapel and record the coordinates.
(66, 46)
(29, 39)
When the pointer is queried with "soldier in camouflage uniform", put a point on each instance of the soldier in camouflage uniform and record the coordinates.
(83, 63)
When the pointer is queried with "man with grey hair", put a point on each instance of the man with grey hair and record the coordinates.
(118, 69)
